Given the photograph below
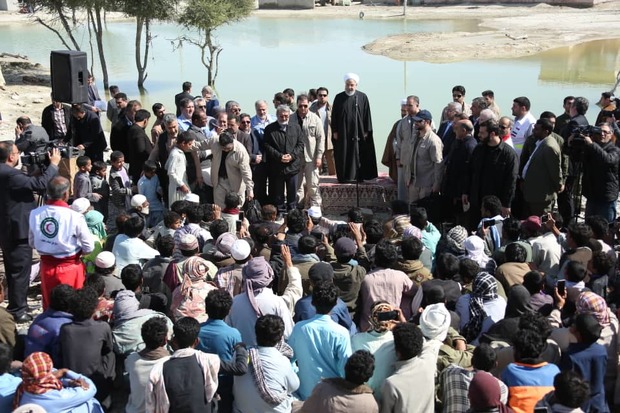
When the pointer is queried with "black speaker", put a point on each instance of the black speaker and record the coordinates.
(69, 72)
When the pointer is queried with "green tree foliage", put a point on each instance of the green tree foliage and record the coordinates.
(202, 18)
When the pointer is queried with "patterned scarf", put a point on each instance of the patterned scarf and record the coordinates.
(484, 288)
(591, 303)
(270, 396)
(37, 377)
(195, 269)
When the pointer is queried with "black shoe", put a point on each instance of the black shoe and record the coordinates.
(24, 318)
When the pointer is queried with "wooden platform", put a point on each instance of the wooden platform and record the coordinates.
(339, 198)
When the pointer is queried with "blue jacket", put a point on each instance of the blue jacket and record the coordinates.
(591, 362)
(44, 333)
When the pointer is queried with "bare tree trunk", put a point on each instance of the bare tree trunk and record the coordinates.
(66, 26)
(99, 36)
(138, 51)
(89, 21)
(47, 26)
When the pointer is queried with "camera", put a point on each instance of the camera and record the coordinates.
(41, 158)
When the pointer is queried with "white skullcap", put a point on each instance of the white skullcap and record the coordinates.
(315, 212)
(138, 200)
(403, 102)
(80, 205)
(30, 408)
(192, 198)
(105, 259)
(435, 322)
(240, 250)
(352, 76)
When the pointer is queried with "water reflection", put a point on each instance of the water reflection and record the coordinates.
(592, 63)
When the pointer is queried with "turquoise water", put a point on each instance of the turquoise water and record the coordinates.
(264, 55)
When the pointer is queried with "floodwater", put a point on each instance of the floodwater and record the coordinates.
(264, 55)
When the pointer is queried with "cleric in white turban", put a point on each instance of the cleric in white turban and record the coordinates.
(354, 149)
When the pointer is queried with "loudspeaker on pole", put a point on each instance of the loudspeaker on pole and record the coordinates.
(69, 73)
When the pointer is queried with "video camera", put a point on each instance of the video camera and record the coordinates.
(579, 133)
(41, 158)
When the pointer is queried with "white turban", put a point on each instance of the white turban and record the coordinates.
(352, 76)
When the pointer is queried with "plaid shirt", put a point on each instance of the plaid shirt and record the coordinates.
(454, 385)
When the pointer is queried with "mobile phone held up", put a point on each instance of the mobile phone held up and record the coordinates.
(387, 315)
(561, 286)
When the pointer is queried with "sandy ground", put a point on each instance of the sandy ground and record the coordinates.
(506, 31)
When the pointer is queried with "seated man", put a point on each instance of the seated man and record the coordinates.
(321, 346)
(86, 345)
(271, 381)
(529, 378)
(350, 394)
(139, 364)
(128, 248)
(187, 381)
(44, 333)
(8, 382)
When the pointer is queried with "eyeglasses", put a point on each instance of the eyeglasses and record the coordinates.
(322, 95)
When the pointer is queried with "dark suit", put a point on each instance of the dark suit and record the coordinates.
(88, 132)
(279, 142)
(543, 177)
(47, 121)
(447, 136)
(140, 148)
(16, 202)
(566, 205)
(178, 98)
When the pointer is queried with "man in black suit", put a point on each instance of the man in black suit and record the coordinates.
(446, 130)
(56, 120)
(87, 133)
(16, 202)
(185, 94)
(284, 148)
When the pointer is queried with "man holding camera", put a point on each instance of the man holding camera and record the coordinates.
(600, 171)
(15, 205)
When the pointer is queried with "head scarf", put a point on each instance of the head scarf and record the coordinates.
(375, 324)
(94, 220)
(484, 288)
(37, 377)
(591, 303)
(484, 393)
(456, 238)
(257, 275)
(518, 301)
(127, 307)
(412, 232)
(195, 270)
(400, 223)
(474, 246)
(435, 322)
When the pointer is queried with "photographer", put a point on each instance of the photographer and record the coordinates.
(600, 170)
(15, 205)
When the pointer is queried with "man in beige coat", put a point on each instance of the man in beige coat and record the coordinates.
(235, 174)
(314, 143)
(323, 110)
(422, 161)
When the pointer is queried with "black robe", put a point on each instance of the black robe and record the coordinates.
(351, 120)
